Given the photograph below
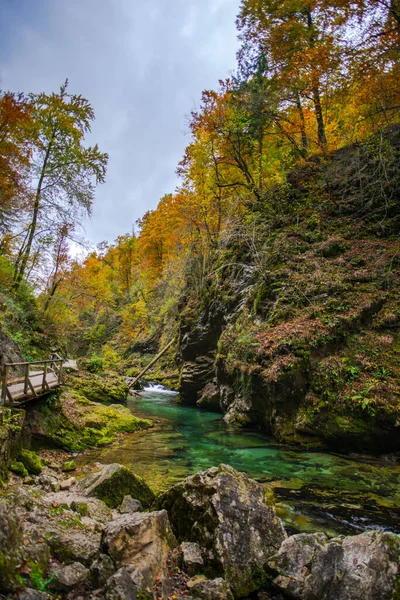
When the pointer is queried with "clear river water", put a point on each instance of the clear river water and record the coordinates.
(315, 491)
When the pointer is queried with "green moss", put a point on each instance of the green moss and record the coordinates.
(69, 465)
(106, 388)
(31, 461)
(350, 425)
(18, 468)
(74, 423)
(81, 508)
(122, 483)
(269, 497)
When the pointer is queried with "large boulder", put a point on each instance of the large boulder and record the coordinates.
(120, 587)
(81, 546)
(361, 567)
(74, 500)
(67, 577)
(113, 482)
(65, 534)
(107, 388)
(191, 558)
(210, 589)
(140, 542)
(228, 515)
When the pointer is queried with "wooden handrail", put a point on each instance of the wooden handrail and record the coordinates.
(34, 362)
(30, 388)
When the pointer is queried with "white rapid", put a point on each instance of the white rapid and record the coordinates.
(157, 388)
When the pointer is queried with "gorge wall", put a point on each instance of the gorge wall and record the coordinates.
(297, 330)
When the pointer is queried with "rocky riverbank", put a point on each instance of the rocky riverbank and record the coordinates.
(215, 536)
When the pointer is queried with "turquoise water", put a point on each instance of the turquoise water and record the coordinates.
(314, 490)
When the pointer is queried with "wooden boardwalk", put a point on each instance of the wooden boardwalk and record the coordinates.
(38, 379)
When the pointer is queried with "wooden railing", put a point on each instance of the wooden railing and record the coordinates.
(31, 384)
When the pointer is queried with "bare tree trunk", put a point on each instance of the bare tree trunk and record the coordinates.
(315, 89)
(55, 280)
(304, 138)
(20, 269)
(322, 141)
(153, 362)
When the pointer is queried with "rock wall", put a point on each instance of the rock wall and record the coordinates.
(198, 345)
(11, 425)
(9, 351)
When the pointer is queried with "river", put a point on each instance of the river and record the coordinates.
(314, 490)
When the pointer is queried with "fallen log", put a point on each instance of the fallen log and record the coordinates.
(153, 362)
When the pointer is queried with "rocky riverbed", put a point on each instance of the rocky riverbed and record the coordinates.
(214, 536)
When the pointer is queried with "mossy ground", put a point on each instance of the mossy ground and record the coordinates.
(107, 388)
(124, 482)
(72, 422)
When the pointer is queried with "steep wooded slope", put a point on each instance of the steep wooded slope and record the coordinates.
(297, 331)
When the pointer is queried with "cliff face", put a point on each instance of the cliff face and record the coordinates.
(298, 330)
(11, 437)
(11, 422)
(9, 351)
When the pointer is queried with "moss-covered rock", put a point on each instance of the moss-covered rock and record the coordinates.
(31, 461)
(81, 508)
(107, 388)
(69, 465)
(312, 356)
(113, 483)
(19, 469)
(74, 423)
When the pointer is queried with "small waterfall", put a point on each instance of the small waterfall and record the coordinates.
(158, 388)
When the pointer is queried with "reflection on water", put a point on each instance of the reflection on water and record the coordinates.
(315, 490)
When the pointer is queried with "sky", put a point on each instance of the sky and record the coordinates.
(142, 64)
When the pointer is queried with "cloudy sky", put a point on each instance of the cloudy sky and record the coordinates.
(142, 64)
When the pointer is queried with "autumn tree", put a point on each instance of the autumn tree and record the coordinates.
(301, 40)
(65, 169)
(15, 153)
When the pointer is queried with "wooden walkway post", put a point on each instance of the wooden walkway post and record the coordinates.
(44, 382)
(26, 381)
(3, 400)
(30, 385)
